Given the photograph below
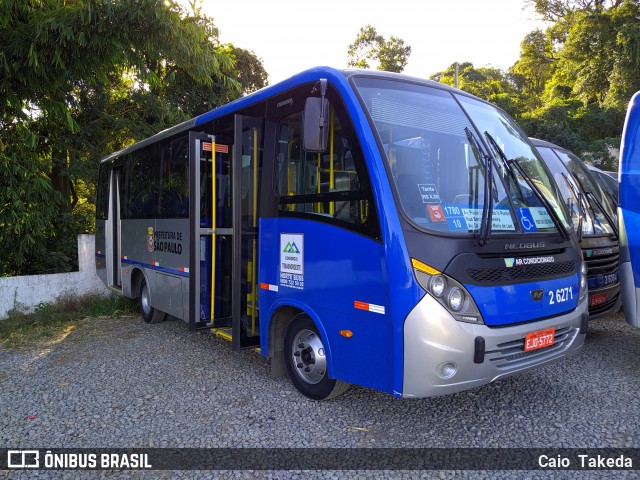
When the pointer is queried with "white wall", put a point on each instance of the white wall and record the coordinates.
(26, 292)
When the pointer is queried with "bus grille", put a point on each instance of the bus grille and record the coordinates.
(525, 272)
(602, 264)
(511, 354)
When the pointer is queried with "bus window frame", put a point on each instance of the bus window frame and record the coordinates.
(371, 227)
(455, 235)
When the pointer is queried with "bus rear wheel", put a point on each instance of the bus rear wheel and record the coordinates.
(149, 314)
(306, 361)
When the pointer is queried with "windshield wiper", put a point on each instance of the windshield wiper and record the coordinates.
(592, 196)
(614, 200)
(484, 232)
(509, 163)
(580, 199)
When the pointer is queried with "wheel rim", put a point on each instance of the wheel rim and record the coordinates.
(145, 300)
(308, 356)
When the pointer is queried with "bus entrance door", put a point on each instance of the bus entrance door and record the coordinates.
(223, 232)
(246, 169)
(210, 232)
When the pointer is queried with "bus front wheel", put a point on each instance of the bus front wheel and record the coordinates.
(149, 314)
(306, 361)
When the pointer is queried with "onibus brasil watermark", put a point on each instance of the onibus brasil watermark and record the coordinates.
(69, 461)
(321, 459)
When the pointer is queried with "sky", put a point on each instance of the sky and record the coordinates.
(290, 36)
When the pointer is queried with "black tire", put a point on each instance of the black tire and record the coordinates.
(306, 361)
(149, 314)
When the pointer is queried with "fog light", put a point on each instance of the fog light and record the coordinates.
(456, 299)
(447, 369)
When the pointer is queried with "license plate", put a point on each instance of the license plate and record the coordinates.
(539, 339)
(598, 299)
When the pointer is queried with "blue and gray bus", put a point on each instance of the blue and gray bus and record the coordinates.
(358, 227)
(593, 214)
(629, 212)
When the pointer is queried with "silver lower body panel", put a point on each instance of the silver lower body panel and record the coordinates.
(433, 338)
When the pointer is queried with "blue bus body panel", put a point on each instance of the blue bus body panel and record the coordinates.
(629, 211)
(341, 271)
(401, 289)
(509, 304)
(335, 77)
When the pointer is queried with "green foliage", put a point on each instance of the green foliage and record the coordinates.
(26, 206)
(182, 94)
(390, 55)
(557, 10)
(572, 82)
(488, 83)
(534, 68)
(596, 69)
(586, 57)
(80, 79)
(624, 78)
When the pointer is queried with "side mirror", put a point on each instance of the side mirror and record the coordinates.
(315, 124)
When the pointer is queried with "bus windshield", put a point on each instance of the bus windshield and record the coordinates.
(599, 202)
(440, 175)
(568, 188)
(599, 211)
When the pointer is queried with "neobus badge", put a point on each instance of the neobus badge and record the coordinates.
(521, 245)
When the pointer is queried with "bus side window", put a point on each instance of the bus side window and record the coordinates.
(141, 189)
(307, 182)
(174, 197)
(102, 194)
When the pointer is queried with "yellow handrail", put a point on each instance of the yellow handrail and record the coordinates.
(213, 227)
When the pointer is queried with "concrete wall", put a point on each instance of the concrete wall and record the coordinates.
(26, 292)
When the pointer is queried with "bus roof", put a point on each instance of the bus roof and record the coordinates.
(336, 77)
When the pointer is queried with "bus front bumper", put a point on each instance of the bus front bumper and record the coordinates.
(442, 355)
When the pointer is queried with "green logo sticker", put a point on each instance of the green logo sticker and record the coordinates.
(291, 248)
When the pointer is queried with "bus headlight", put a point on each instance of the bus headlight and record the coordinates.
(448, 292)
(438, 285)
(584, 284)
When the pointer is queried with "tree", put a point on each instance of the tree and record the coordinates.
(593, 53)
(182, 93)
(557, 10)
(369, 46)
(624, 78)
(488, 83)
(586, 58)
(534, 68)
(77, 79)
